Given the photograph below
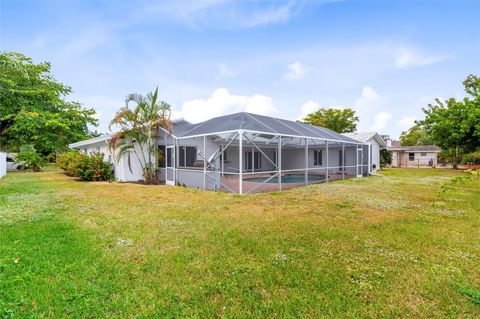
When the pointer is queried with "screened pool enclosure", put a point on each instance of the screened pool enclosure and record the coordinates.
(247, 153)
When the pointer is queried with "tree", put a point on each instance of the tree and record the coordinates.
(455, 125)
(32, 160)
(338, 120)
(33, 110)
(385, 157)
(416, 135)
(138, 131)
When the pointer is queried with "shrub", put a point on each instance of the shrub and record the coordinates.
(51, 158)
(69, 162)
(471, 158)
(33, 160)
(385, 157)
(94, 168)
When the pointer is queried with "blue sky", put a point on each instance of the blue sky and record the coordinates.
(385, 59)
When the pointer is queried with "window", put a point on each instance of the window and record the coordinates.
(187, 155)
(274, 158)
(411, 156)
(257, 160)
(161, 156)
(423, 154)
(9, 159)
(223, 156)
(317, 157)
(169, 157)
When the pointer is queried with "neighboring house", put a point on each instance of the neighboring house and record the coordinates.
(246, 153)
(413, 156)
(375, 143)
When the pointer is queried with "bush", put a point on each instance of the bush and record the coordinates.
(385, 158)
(88, 168)
(32, 159)
(69, 162)
(471, 158)
(94, 168)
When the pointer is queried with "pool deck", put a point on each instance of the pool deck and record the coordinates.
(232, 182)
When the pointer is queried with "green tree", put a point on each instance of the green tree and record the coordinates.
(385, 157)
(338, 120)
(416, 135)
(33, 160)
(33, 109)
(138, 131)
(455, 125)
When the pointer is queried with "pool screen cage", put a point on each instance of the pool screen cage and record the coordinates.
(247, 161)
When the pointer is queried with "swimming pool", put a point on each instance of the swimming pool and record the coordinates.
(287, 179)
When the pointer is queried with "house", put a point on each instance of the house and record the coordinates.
(375, 143)
(247, 153)
(413, 156)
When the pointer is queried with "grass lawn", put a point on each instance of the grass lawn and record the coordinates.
(383, 246)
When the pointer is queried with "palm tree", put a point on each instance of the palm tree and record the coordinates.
(138, 131)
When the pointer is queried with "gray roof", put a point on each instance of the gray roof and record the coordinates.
(259, 123)
(365, 136)
(90, 141)
(424, 148)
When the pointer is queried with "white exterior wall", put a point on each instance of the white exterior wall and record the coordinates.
(295, 158)
(121, 169)
(401, 159)
(232, 157)
(3, 164)
(375, 155)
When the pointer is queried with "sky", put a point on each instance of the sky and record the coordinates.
(384, 59)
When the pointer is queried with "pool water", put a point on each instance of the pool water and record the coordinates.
(287, 179)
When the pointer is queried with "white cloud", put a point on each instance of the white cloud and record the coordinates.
(380, 121)
(222, 102)
(274, 15)
(296, 71)
(307, 108)
(369, 100)
(406, 121)
(370, 108)
(407, 58)
(221, 14)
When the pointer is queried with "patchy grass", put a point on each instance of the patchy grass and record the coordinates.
(386, 246)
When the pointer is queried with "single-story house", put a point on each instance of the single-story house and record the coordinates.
(375, 143)
(246, 153)
(413, 156)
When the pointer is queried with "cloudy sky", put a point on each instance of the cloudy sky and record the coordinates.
(385, 59)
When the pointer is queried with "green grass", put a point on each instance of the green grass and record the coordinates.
(386, 246)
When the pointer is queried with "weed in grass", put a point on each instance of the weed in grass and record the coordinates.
(472, 294)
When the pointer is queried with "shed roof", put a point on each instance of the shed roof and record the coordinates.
(259, 123)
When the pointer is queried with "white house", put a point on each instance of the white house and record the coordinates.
(247, 153)
(375, 143)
